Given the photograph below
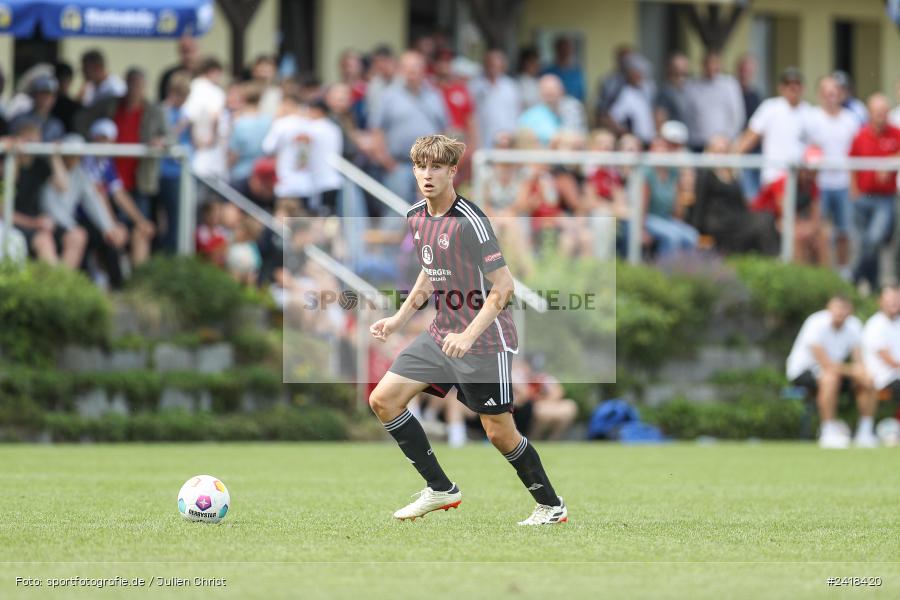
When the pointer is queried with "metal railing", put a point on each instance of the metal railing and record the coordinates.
(483, 158)
(399, 206)
(187, 201)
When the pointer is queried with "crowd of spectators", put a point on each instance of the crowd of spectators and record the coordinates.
(270, 132)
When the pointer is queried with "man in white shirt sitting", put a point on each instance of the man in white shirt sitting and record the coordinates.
(881, 343)
(818, 361)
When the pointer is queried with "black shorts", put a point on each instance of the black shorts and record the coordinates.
(807, 379)
(483, 380)
(58, 235)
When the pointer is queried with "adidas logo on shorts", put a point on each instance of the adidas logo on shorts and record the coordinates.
(490, 402)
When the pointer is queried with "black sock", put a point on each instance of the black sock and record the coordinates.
(410, 436)
(530, 470)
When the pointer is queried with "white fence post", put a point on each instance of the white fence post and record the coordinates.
(187, 213)
(9, 197)
(789, 215)
(635, 213)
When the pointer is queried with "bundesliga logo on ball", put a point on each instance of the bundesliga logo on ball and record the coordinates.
(203, 498)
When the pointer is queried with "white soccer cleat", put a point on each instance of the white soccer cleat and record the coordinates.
(548, 515)
(865, 440)
(834, 440)
(429, 500)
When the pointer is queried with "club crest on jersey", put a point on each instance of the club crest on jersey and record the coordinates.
(427, 254)
(443, 241)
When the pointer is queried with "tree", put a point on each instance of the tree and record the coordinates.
(497, 21)
(714, 28)
(239, 14)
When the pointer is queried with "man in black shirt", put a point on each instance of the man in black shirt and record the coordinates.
(45, 239)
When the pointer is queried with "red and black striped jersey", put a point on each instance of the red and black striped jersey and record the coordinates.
(455, 250)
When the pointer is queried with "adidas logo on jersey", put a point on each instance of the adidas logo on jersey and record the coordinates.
(490, 402)
(416, 236)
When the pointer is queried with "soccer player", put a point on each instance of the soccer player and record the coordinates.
(469, 344)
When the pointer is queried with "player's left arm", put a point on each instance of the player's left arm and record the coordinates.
(456, 345)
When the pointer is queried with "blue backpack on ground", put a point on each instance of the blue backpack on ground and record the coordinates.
(619, 420)
(609, 417)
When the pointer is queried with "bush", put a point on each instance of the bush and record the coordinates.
(786, 294)
(766, 417)
(43, 308)
(201, 293)
(656, 313)
(251, 345)
(280, 423)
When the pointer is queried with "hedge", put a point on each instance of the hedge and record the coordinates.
(280, 423)
(764, 417)
(42, 308)
(56, 390)
(200, 293)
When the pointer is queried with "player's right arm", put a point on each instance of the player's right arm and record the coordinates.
(418, 296)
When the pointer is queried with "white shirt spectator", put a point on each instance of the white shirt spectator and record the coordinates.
(111, 87)
(326, 140)
(834, 135)
(528, 91)
(497, 106)
(289, 140)
(204, 108)
(714, 107)
(894, 116)
(781, 127)
(818, 330)
(18, 251)
(633, 109)
(881, 333)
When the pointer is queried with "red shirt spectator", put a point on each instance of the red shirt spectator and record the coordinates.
(129, 123)
(869, 142)
(459, 104)
(605, 180)
(770, 197)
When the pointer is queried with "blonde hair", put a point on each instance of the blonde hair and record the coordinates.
(436, 149)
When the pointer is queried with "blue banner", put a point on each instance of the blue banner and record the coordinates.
(893, 10)
(106, 18)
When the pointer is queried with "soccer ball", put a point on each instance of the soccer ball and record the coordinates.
(203, 498)
(888, 431)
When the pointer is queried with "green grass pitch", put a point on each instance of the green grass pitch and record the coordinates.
(314, 521)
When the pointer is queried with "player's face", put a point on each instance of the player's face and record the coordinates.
(434, 178)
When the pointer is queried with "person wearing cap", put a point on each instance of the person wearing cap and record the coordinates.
(874, 192)
(632, 110)
(259, 186)
(70, 188)
(43, 94)
(778, 123)
(109, 185)
(714, 103)
(665, 192)
(832, 128)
